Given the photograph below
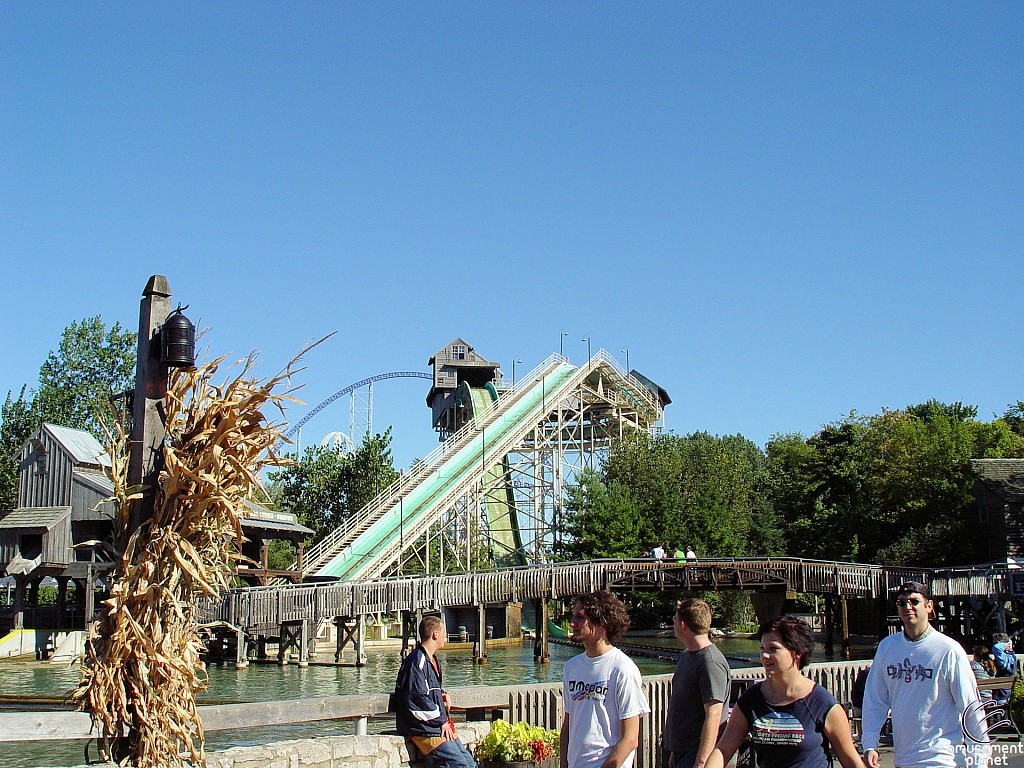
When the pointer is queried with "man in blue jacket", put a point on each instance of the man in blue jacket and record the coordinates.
(421, 705)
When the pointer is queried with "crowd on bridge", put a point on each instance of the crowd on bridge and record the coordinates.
(921, 681)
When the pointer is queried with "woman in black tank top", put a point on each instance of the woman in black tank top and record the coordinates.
(791, 721)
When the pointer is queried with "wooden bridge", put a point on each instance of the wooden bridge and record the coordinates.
(290, 612)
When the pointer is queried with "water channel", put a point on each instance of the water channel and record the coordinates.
(263, 682)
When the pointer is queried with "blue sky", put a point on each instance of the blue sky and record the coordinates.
(785, 211)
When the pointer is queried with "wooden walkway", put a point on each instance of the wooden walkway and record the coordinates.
(263, 610)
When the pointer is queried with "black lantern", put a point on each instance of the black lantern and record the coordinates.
(178, 341)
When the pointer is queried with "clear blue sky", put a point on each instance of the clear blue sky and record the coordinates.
(785, 211)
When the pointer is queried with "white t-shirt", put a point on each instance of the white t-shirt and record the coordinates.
(597, 693)
(930, 688)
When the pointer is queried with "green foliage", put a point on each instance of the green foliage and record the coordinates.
(510, 743)
(281, 553)
(91, 364)
(327, 486)
(699, 490)
(893, 488)
(16, 424)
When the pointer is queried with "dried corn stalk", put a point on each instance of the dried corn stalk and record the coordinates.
(143, 668)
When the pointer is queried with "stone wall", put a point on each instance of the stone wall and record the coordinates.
(332, 752)
(336, 752)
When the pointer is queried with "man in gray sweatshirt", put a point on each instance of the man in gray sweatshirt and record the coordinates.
(925, 678)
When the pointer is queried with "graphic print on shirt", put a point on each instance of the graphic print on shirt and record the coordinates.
(581, 690)
(777, 728)
(909, 672)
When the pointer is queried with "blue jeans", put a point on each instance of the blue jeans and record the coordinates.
(451, 754)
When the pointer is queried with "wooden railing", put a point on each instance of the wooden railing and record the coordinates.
(255, 608)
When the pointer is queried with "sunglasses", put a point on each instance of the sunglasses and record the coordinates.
(903, 602)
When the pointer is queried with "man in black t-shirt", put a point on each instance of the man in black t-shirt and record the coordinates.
(700, 689)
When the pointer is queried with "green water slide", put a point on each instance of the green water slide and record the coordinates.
(482, 455)
(499, 495)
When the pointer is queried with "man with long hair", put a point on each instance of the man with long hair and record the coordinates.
(601, 689)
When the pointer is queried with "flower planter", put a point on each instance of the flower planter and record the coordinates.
(551, 762)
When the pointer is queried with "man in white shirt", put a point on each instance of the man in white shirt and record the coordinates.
(925, 678)
(601, 689)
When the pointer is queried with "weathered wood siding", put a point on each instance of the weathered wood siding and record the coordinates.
(51, 487)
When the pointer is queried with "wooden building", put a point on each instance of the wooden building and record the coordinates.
(999, 504)
(63, 487)
(455, 364)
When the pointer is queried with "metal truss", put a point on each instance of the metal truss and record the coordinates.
(574, 435)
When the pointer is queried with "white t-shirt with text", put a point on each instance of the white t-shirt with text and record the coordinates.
(597, 694)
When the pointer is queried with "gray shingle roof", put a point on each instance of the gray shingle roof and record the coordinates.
(35, 517)
(1004, 477)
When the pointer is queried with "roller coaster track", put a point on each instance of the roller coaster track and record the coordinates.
(351, 387)
(373, 540)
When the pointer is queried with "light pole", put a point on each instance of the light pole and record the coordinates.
(560, 339)
(626, 350)
(587, 339)
(514, 361)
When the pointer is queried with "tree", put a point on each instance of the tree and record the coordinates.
(893, 488)
(698, 489)
(91, 365)
(16, 424)
(326, 486)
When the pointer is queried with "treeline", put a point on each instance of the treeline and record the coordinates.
(891, 488)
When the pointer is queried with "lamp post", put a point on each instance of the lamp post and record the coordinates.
(626, 350)
(560, 339)
(166, 340)
(587, 339)
(514, 361)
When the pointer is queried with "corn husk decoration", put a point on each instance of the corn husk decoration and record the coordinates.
(143, 668)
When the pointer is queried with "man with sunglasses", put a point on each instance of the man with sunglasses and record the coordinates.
(925, 679)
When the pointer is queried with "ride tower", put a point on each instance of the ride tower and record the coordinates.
(512, 514)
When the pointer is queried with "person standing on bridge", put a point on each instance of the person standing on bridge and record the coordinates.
(700, 689)
(925, 679)
(421, 705)
(601, 689)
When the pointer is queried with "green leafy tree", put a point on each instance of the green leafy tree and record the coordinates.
(893, 488)
(17, 421)
(91, 364)
(699, 489)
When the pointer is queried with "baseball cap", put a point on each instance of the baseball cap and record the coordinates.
(909, 587)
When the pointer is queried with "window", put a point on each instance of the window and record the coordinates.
(458, 351)
(31, 545)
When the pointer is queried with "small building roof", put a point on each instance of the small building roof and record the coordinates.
(270, 520)
(35, 517)
(1003, 477)
(657, 391)
(95, 480)
(83, 446)
(472, 358)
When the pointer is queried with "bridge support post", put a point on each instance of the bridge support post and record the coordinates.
(405, 632)
(830, 613)
(845, 628)
(480, 646)
(540, 643)
(360, 641)
(241, 657)
(304, 644)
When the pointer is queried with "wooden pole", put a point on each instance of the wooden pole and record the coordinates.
(148, 402)
(829, 623)
(845, 626)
